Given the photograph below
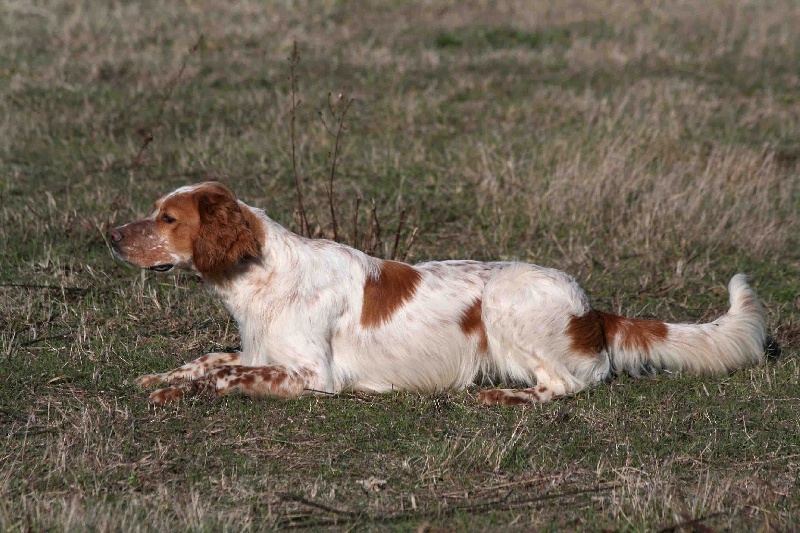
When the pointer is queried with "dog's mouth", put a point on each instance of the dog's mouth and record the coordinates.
(162, 268)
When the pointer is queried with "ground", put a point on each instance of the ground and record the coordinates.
(651, 149)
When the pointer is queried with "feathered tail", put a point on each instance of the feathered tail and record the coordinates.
(732, 341)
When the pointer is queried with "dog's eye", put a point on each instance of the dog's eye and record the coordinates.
(168, 219)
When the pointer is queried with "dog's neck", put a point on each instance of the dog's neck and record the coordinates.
(279, 271)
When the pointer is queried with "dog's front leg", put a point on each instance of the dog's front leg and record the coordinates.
(252, 381)
(191, 370)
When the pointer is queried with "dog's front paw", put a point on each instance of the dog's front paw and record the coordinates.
(166, 395)
(148, 381)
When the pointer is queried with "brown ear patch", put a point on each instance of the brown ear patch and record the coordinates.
(385, 293)
(472, 323)
(225, 237)
(254, 225)
(632, 333)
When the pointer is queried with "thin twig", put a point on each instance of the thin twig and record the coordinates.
(147, 138)
(376, 233)
(321, 116)
(397, 234)
(365, 243)
(342, 113)
(294, 60)
(147, 133)
(409, 242)
(492, 488)
(44, 287)
(327, 508)
(355, 222)
(317, 391)
(500, 504)
(174, 82)
(42, 339)
(690, 524)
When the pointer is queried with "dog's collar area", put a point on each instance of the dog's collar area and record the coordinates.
(162, 268)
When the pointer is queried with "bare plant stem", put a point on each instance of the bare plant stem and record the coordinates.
(336, 126)
(343, 107)
(355, 222)
(294, 60)
(147, 138)
(397, 234)
(409, 242)
(375, 228)
(147, 133)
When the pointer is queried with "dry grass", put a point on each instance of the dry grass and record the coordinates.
(652, 149)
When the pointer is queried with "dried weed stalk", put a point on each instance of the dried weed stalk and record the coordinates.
(147, 132)
(338, 108)
(335, 124)
(294, 60)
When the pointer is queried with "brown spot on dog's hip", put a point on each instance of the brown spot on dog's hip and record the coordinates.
(472, 324)
(586, 333)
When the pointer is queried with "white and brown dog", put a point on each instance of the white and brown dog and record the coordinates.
(317, 317)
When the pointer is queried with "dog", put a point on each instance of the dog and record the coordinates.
(318, 317)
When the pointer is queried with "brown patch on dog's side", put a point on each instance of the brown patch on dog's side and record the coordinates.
(586, 333)
(632, 333)
(472, 323)
(395, 284)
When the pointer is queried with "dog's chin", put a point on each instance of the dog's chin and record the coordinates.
(163, 267)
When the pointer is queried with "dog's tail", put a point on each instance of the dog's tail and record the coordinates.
(732, 341)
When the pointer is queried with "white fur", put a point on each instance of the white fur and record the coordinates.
(299, 305)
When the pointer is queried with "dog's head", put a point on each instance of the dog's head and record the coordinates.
(200, 227)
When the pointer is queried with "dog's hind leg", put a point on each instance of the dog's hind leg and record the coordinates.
(548, 387)
(191, 370)
(532, 317)
(543, 392)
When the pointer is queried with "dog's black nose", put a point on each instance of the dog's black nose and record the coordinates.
(115, 234)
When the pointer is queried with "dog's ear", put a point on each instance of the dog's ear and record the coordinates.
(225, 239)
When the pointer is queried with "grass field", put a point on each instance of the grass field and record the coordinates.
(649, 148)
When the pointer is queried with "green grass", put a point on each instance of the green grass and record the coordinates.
(651, 151)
